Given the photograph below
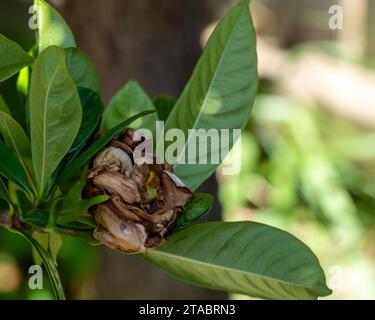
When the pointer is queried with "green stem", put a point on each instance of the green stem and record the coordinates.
(50, 266)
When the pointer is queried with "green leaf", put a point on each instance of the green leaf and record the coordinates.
(3, 106)
(11, 168)
(221, 91)
(99, 145)
(79, 221)
(82, 206)
(74, 193)
(23, 80)
(164, 106)
(129, 100)
(242, 257)
(16, 138)
(23, 87)
(13, 58)
(74, 213)
(55, 114)
(37, 217)
(82, 69)
(52, 29)
(3, 191)
(92, 108)
(199, 205)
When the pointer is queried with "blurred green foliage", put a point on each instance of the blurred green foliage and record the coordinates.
(311, 173)
(77, 260)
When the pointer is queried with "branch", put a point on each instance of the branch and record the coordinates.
(16, 224)
(5, 221)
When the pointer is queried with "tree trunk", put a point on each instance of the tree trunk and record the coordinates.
(157, 43)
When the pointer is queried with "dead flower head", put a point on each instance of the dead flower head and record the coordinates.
(145, 199)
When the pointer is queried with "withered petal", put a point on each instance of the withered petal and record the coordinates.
(121, 145)
(131, 212)
(110, 241)
(128, 137)
(140, 174)
(174, 196)
(122, 211)
(177, 181)
(131, 235)
(153, 241)
(162, 216)
(114, 159)
(116, 183)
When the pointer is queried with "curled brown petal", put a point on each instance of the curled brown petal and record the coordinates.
(109, 240)
(128, 137)
(140, 174)
(121, 145)
(116, 183)
(163, 217)
(113, 159)
(174, 196)
(130, 212)
(132, 236)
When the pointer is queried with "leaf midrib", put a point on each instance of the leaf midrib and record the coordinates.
(218, 67)
(251, 274)
(45, 127)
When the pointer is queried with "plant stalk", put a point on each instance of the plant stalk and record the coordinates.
(50, 265)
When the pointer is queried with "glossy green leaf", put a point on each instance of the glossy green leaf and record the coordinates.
(74, 193)
(129, 100)
(13, 58)
(55, 114)
(52, 29)
(3, 191)
(28, 213)
(82, 69)
(198, 206)
(11, 168)
(221, 91)
(23, 80)
(82, 206)
(100, 144)
(92, 108)
(3, 106)
(242, 257)
(23, 87)
(77, 223)
(16, 138)
(84, 225)
(164, 106)
(74, 211)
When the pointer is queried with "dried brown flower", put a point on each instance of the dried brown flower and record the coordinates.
(145, 199)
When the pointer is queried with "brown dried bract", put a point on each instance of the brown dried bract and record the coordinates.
(145, 199)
